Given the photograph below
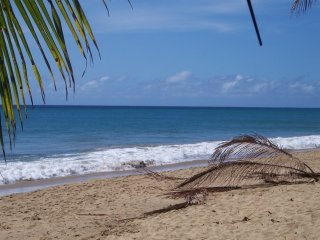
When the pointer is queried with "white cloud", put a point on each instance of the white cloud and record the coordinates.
(186, 85)
(94, 84)
(246, 85)
(104, 79)
(89, 85)
(260, 87)
(179, 16)
(239, 77)
(122, 78)
(302, 87)
(179, 77)
(228, 86)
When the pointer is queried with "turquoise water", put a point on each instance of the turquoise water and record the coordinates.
(59, 141)
(50, 130)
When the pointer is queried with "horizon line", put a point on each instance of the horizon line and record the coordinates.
(160, 106)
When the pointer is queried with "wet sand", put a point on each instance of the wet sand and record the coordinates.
(113, 209)
(33, 185)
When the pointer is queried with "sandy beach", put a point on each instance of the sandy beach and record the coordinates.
(167, 120)
(114, 209)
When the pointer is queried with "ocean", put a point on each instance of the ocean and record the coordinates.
(67, 140)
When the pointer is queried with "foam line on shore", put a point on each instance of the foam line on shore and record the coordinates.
(29, 186)
(119, 159)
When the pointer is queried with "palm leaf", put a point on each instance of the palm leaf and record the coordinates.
(256, 148)
(253, 17)
(242, 173)
(301, 6)
(247, 160)
(249, 146)
(44, 20)
(298, 6)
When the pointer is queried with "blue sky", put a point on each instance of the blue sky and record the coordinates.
(197, 53)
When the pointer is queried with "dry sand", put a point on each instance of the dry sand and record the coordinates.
(98, 209)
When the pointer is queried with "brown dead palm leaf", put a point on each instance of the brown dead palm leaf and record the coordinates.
(259, 149)
(247, 160)
(243, 173)
(156, 175)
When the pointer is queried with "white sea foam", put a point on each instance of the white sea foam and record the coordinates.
(304, 142)
(112, 159)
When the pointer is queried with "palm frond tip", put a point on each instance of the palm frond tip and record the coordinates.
(301, 6)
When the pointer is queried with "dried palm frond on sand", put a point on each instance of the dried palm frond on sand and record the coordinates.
(247, 160)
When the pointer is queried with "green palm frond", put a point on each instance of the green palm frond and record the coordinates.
(44, 19)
